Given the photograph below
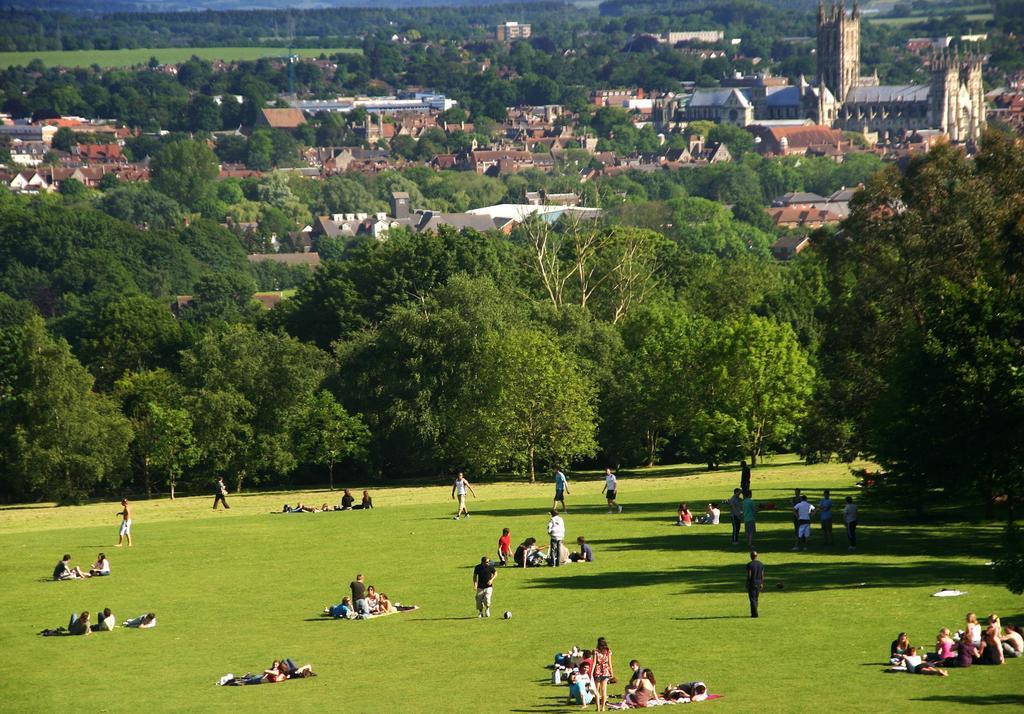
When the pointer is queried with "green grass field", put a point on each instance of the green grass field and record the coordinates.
(166, 55)
(976, 17)
(235, 589)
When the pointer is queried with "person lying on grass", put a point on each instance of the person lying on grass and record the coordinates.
(142, 622)
(279, 671)
(912, 664)
(686, 692)
(343, 610)
(65, 571)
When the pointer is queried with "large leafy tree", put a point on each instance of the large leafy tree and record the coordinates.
(528, 404)
(259, 382)
(922, 348)
(63, 439)
(185, 171)
(330, 434)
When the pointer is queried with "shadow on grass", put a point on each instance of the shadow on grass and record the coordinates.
(908, 541)
(799, 576)
(981, 700)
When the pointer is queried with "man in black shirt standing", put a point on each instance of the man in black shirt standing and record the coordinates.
(483, 580)
(755, 581)
(744, 477)
(359, 596)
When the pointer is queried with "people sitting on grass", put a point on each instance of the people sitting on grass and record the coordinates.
(683, 515)
(991, 646)
(966, 653)
(711, 515)
(347, 500)
(528, 555)
(65, 571)
(974, 629)
(142, 622)
(106, 623)
(372, 600)
(634, 678)
(911, 663)
(585, 554)
(366, 503)
(945, 648)
(644, 692)
(1013, 641)
(686, 692)
(101, 567)
(898, 648)
(384, 606)
(582, 690)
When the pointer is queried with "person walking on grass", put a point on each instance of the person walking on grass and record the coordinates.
(126, 524)
(611, 489)
(736, 513)
(850, 519)
(459, 489)
(556, 529)
(221, 495)
(603, 672)
(483, 584)
(749, 517)
(802, 512)
(755, 581)
(744, 477)
(825, 509)
(561, 488)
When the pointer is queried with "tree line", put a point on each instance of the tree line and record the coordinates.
(574, 344)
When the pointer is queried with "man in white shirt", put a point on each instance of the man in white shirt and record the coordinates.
(850, 519)
(802, 513)
(556, 530)
(611, 487)
(459, 489)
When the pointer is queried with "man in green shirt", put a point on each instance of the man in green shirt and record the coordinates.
(749, 517)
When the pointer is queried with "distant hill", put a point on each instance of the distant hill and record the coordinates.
(108, 6)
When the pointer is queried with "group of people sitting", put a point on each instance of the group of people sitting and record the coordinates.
(585, 675)
(82, 624)
(975, 644)
(365, 602)
(712, 515)
(64, 570)
(279, 671)
(348, 503)
(531, 555)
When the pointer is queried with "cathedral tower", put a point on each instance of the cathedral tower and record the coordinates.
(838, 49)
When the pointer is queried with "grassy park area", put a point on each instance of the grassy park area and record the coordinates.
(234, 590)
(165, 55)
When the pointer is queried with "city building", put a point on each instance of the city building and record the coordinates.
(952, 101)
(509, 31)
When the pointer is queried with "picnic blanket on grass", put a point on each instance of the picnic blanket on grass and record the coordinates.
(663, 702)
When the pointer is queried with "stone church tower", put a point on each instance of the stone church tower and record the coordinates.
(957, 96)
(838, 49)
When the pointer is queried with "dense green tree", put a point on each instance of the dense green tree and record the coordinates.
(528, 404)
(141, 205)
(185, 171)
(330, 434)
(63, 439)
